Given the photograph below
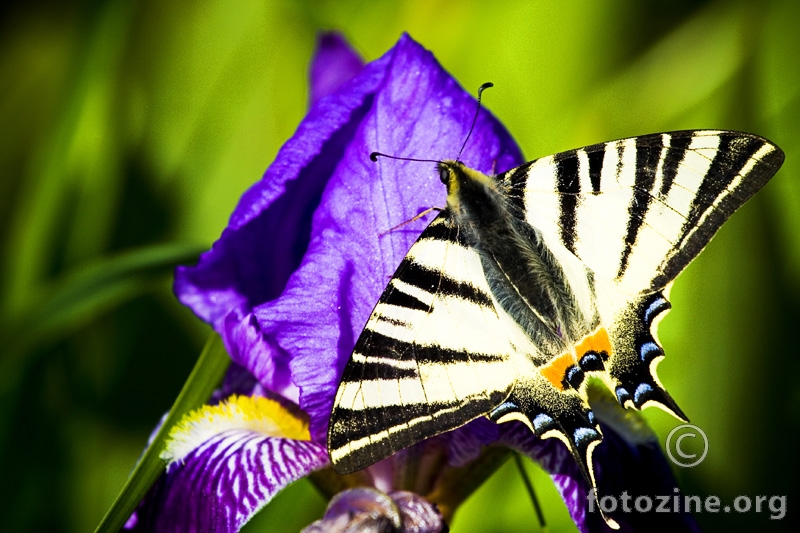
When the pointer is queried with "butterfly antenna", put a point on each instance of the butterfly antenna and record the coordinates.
(375, 155)
(475, 118)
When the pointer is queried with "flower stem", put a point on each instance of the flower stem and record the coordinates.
(529, 486)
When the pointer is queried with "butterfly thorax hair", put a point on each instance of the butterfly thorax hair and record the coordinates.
(525, 278)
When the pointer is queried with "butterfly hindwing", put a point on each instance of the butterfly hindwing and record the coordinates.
(551, 412)
(428, 359)
(632, 370)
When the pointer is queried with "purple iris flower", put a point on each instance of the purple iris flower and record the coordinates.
(293, 279)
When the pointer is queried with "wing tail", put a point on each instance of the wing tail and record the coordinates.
(564, 415)
(636, 353)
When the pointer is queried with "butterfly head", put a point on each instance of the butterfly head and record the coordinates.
(461, 180)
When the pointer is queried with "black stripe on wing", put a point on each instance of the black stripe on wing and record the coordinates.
(648, 154)
(596, 158)
(398, 298)
(715, 201)
(568, 187)
(434, 282)
(399, 428)
(679, 144)
(441, 228)
(385, 347)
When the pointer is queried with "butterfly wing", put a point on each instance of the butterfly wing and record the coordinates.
(430, 358)
(636, 212)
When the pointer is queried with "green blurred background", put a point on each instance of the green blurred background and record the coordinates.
(128, 130)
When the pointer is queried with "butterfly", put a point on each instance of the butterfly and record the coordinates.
(532, 280)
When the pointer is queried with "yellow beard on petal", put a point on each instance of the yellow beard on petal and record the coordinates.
(238, 413)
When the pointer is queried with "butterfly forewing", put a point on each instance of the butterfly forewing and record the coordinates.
(637, 211)
(429, 359)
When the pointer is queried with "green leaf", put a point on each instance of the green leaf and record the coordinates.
(205, 377)
(82, 294)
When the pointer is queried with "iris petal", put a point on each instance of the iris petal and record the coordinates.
(238, 413)
(225, 463)
(334, 63)
(419, 111)
(223, 483)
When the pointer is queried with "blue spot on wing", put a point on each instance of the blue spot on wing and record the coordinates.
(584, 434)
(642, 391)
(503, 409)
(649, 350)
(591, 362)
(574, 376)
(542, 423)
(655, 308)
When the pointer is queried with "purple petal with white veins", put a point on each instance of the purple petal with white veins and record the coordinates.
(334, 63)
(223, 483)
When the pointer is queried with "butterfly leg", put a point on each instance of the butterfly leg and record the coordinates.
(417, 217)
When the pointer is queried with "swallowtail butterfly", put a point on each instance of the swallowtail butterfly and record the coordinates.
(531, 280)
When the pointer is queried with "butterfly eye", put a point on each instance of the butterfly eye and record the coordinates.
(444, 175)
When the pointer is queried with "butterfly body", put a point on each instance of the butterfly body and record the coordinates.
(534, 279)
(525, 278)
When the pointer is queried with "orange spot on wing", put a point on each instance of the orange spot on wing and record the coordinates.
(554, 370)
(597, 341)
